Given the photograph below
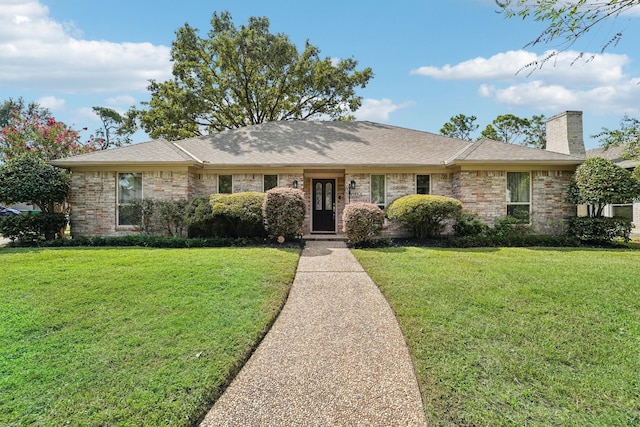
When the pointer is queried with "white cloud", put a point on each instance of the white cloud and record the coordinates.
(378, 110)
(51, 102)
(40, 53)
(121, 101)
(512, 65)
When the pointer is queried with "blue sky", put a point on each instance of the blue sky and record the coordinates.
(432, 59)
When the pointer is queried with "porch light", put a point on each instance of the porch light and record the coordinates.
(295, 183)
(352, 185)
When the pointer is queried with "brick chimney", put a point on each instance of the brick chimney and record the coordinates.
(564, 134)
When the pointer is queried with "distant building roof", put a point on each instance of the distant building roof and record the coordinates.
(320, 144)
(615, 154)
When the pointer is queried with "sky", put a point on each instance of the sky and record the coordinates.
(432, 59)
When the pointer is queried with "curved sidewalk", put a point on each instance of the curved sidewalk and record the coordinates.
(334, 357)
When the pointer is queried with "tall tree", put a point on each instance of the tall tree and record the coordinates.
(628, 136)
(11, 106)
(460, 126)
(568, 21)
(508, 128)
(116, 130)
(44, 137)
(246, 75)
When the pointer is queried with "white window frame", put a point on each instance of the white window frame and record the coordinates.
(384, 190)
(508, 195)
(264, 189)
(118, 203)
(427, 175)
(221, 175)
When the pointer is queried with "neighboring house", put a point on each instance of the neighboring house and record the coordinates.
(334, 163)
(627, 210)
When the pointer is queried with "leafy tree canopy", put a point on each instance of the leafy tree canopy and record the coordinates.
(11, 107)
(29, 179)
(507, 128)
(460, 126)
(116, 130)
(628, 136)
(568, 20)
(41, 136)
(599, 182)
(247, 75)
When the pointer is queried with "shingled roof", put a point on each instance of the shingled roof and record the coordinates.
(319, 144)
(615, 154)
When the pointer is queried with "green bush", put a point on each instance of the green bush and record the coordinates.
(283, 211)
(241, 211)
(29, 230)
(514, 240)
(599, 229)
(139, 213)
(169, 217)
(424, 214)
(510, 226)
(362, 222)
(199, 218)
(468, 224)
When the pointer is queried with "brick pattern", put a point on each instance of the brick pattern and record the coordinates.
(93, 195)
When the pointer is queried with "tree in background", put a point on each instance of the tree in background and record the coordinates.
(41, 136)
(506, 128)
(11, 107)
(627, 136)
(460, 126)
(116, 130)
(243, 76)
(568, 20)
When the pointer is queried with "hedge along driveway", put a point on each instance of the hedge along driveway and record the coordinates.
(130, 336)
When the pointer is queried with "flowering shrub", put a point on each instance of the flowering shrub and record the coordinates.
(424, 213)
(283, 211)
(44, 137)
(362, 222)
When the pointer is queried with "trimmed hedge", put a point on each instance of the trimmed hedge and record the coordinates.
(362, 222)
(599, 229)
(283, 211)
(424, 214)
(29, 230)
(242, 213)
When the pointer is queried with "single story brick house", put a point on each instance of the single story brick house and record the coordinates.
(334, 163)
(627, 210)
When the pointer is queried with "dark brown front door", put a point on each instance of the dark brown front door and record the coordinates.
(324, 205)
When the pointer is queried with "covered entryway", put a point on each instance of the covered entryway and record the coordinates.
(323, 206)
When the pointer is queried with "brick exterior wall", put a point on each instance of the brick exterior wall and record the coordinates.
(93, 194)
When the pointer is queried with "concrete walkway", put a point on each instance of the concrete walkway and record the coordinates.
(334, 357)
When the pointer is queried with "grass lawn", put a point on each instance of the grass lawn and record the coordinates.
(130, 336)
(519, 336)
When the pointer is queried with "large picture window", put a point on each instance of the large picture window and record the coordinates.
(269, 182)
(378, 190)
(422, 184)
(129, 191)
(519, 195)
(225, 184)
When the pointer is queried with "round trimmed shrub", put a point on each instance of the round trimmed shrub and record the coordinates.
(241, 211)
(424, 214)
(283, 211)
(362, 222)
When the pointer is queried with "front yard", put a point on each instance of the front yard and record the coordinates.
(518, 336)
(130, 336)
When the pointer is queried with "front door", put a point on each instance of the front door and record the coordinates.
(324, 205)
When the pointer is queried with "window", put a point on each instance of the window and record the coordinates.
(129, 191)
(225, 184)
(519, 195)
(422, 184)
(622, 211)
(378, 190)
(269, 182)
